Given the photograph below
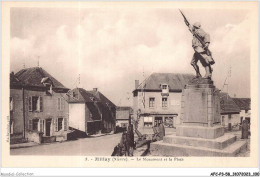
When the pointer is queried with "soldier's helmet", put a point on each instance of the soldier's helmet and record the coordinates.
(197, 25)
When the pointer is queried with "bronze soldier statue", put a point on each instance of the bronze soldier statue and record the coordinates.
(200, 44)
(201, 53)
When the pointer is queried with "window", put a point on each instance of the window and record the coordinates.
(61, 104)
(148, 121)
(11, 104)
(35, 124)
(164, 87)
(158, 121)
(75, 94)
(41, 125)
(35, 103)
(164, 102)
(246, 111)
(168, 122)
(49, 89)
(229, 116)
(165, 90)
(60, 121)
(151, 102)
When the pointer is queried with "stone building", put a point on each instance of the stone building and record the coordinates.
(229, 111)
(123, 114)
(245, 108)
(158, 99)
(90, 112)
(38, 104)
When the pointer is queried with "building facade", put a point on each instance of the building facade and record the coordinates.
(229, 111)
(158, 99)
(123, 116)
(244, 105)
(38, 103)
(90, 112)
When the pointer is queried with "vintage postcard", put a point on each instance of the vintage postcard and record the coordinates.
(129, 84)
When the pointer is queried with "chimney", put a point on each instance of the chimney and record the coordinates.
(136, 84)
(95, 89)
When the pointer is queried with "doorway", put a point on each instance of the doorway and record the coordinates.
(48, 127)
(157, 121)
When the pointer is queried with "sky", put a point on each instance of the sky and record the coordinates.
(112, 47)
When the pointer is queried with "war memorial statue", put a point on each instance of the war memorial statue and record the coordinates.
(200, 132)
(200, 44)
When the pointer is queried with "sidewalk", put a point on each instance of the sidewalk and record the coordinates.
(23, 145)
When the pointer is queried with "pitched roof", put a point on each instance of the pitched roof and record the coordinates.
(227, 104)
(176, 81)
(14, 81)
(95, 101)
(86, 96)
(33, 77)
(243, 103)
(94, 111)
(102, 98)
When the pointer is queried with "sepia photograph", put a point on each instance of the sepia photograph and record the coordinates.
(130, 80)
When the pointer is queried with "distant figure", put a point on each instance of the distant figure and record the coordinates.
(161, 131)
(245, 130)
(123, 144)
(130, 140)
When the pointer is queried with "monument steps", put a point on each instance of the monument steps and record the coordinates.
(177, 150)
(218, 143)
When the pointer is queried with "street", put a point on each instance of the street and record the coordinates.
(94, 146)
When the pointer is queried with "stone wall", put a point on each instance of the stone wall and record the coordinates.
(34, 136)
(16, 115)
(50, 108)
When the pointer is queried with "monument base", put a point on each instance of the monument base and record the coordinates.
(177, 146)
(200, 132)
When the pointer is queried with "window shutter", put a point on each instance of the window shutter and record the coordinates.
(11, 103)
(51, 89)
(41, 104)
(30, 124)
(30, 103)
(62, 104)
(38, 104)
(65, 124)
(58, 103)
(56, 124)
(41, 125)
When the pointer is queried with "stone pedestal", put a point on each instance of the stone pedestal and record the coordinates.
(200, 111)
(200, 132)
